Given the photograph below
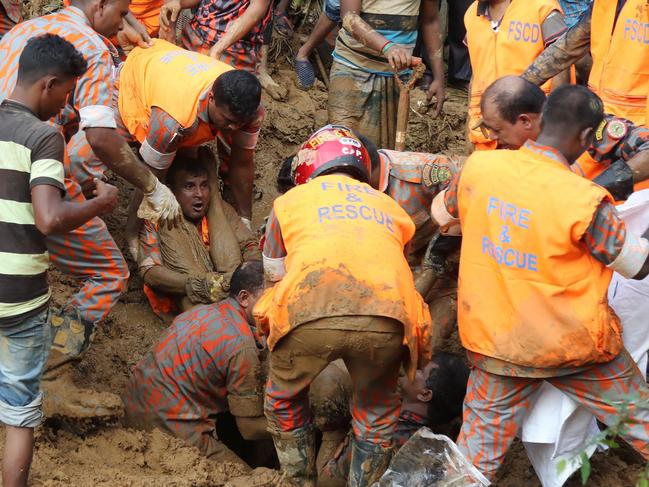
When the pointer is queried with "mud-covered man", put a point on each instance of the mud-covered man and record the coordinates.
(331, 301)
(192, 264)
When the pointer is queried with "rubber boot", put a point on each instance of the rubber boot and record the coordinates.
(296, 454)
(369, 462)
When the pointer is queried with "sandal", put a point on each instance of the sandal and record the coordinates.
(283, 25)
(305, 74)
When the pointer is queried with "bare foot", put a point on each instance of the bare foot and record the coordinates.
(276, 91)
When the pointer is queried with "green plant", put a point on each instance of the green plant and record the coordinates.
(607, 437)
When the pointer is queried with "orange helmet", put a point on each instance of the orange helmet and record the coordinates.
(333, 148)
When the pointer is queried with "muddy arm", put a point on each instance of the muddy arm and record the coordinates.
(253, 428)
(224, 248)
(111, 148)
(164, 280)
(560, 55)
(352, 23)
(241, 177)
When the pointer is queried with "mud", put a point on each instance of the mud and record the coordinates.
(94, 451)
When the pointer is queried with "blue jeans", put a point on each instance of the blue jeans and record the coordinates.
(24, 348)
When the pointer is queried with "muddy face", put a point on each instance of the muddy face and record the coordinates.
(193, 195)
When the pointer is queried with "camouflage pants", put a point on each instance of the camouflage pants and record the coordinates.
(495, 405)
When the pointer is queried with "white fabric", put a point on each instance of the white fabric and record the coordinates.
(28, 416)
(97, 116)
(448, 224)
(632, 257)
(555, 427)
(155, 159)
(274, 268)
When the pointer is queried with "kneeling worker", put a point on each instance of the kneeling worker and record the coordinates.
(546, 316)
(331, 300)
(192, 264)
(205, 364)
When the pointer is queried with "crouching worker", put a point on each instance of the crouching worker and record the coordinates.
(192, 264)
(32, 189)
(333, 301)
(205, 364)
(546, 316)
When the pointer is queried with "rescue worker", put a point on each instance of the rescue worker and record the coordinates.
(206, 363)
(521, 244)
(617, 158)
(433, 400)
(330, 302)
(89, 252)
(412, 179)
(621, 81)
(504, 37)
(229, 31)
(211, 101)
(184, 267)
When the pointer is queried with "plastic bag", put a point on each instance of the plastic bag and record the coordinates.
(430, 460)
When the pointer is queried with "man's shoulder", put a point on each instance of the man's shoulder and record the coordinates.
(24, 128)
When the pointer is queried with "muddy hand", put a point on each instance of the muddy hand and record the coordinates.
(398, 57)
(435, 96)
(169, 13)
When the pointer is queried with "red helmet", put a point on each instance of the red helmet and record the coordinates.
(330, 149)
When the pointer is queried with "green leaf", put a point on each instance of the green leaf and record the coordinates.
(562, 466)
(585, 468)
(643, 482)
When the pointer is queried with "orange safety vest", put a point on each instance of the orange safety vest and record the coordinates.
(509, 51)
(345, 256)
(620, 72)
(170, 78)
(148, 13)
(530, 293)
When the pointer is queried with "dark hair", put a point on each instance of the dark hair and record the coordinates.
(193, 167)
(448, 383)
(375, 158)
(284, 178)
(571, 109)
(514, 96)
(240, 92)
(249, 276)
(49, 54)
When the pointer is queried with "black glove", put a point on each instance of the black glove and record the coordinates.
(617, 179)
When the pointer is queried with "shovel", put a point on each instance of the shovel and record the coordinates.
(404, 101)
